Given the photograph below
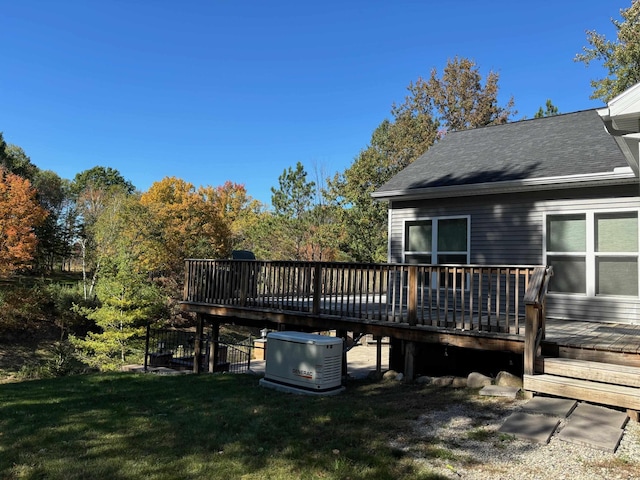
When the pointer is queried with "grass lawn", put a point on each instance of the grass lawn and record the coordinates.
(136, 426)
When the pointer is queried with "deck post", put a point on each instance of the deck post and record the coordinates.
(343, 334)
(197, 346)
(378, 340)
(213, 346)
(530, 334)
(187, 275)
(409, 360)
(412, 296)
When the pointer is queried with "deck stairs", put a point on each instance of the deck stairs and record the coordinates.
(597, 382)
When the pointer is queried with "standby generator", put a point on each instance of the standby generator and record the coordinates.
(303, 363)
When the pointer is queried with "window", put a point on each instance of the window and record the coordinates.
(437, 240)
(567, 252)
(593, 253)
(616, 253)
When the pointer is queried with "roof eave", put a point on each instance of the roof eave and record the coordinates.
(621, 118)
(618, 177)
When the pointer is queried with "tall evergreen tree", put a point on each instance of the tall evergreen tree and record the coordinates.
(292, 202)
(549, 110)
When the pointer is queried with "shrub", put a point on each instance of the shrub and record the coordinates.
(62, 362)
(69, 303)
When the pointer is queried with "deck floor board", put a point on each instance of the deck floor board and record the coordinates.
(614, 337)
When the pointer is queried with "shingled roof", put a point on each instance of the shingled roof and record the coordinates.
(519, 153)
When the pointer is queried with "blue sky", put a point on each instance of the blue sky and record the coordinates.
(216, 90)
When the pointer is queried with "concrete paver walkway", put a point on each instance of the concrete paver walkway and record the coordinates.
(583, 423)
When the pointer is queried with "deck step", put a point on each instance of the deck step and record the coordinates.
(594, 371)
(590, 391)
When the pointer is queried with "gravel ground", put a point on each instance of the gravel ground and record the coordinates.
(469, 446)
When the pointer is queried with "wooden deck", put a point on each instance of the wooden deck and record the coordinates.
(499, 308)
(471, 306)
(601, 342)
(612, 337)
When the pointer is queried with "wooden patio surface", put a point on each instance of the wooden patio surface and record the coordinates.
(611, 337)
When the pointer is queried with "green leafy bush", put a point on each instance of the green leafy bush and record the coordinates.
(63, 361)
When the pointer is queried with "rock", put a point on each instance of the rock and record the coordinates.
(459, 382)
(390, 375)
(506, 379)
(478, 380)
(442, 381)
(423, 380)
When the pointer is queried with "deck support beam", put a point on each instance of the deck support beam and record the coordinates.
(214, 346)
(378, 340)
(197, 347)
(343, 334)
(409, 360)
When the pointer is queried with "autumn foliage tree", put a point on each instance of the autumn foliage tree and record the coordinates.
(239, 211)
(20, 214)
(184, 222)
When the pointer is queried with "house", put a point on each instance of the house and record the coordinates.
(560, 191)
(472, 225)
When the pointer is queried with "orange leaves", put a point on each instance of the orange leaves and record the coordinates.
(20, 213)
(185, 223)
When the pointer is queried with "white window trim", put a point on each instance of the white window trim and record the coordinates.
(590, 255)
(434, 237)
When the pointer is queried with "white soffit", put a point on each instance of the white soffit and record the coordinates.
(621, 119)
(627, 103)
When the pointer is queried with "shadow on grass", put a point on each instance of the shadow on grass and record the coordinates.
(124, 426)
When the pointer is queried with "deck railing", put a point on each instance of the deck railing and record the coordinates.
(460, 297)
(535, 324)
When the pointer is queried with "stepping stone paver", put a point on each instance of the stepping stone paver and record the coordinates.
(585, 424)
(497, 391)
(585, 431)
(595, 426)
(535, 428)
(600, 415)
(556, 407)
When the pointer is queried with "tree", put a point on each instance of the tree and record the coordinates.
(549, 111)
(392, 147)
(51, 193)
(54, 240)
(4, 158)
(238, 210)
(91, 190)
(456, 101)
(20, 214)
(292, 202)
(100, 177)
(459, 98)
(621, 57)
(183, 222)
(127, 298)
(16, 161)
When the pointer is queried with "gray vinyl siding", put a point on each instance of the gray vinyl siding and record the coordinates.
(508, 230)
